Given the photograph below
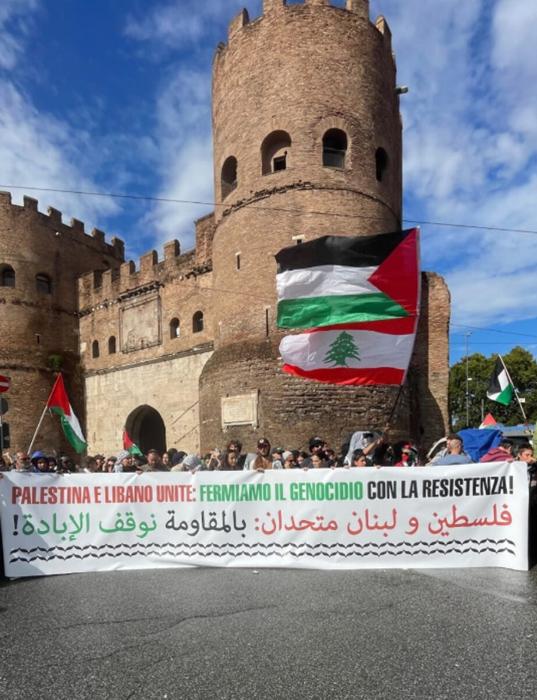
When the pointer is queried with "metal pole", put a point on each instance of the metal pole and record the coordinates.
(514, 387)
(466, 336)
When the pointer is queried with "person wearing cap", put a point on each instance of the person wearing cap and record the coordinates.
(261, 460)
(454, 453)
(407, 456)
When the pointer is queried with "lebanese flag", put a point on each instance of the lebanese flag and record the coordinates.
(58, 403)
(131, 447)
(343, 355)
(340, 280)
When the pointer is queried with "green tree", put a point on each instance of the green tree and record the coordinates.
(341, 349)
(523, 370)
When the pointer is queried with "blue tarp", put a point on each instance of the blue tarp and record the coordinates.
(478, 442)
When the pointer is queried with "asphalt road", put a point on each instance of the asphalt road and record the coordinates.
(218, 633)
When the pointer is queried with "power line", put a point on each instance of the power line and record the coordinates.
(171, 200)
(495, 330)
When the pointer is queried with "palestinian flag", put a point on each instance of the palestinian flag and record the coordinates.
(58, 403)
(131, 447)
(500, 388)
(350, 356)
(337, 280)
(488, 422)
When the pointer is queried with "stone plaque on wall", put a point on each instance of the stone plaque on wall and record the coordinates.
(239, 410)
(140, 324)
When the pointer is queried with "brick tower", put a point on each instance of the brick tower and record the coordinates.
(307, 142)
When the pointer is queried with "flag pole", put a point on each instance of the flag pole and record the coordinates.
(516, 390)
(42, 415)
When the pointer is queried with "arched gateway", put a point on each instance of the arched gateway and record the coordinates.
(146, 428)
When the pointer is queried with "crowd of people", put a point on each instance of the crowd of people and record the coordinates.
(361, 450)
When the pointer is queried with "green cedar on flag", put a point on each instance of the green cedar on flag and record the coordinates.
(500, 387)
(58, 403)
(337, 280)
(131, 447)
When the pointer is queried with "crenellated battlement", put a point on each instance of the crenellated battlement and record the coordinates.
(359, 8)
(102, 288)
(73, 232)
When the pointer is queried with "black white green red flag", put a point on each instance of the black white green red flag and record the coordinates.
(58, 402)
(336, 280)
(500, 387)
(358, 299)
(131, 447)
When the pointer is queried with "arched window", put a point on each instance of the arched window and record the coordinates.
(43, 284)
(95, 349)
(175, 328)
(275, 152)
(229, 176)
(334, 148)
(197, 322)
(7, 276)
(111, 345)
(381, 163)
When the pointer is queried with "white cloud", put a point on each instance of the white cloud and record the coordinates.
(36, 149)
(181, 22)
(14, 23)
(471, 144)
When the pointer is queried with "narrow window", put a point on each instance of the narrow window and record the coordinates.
(381, 163)
(279, 163)
(7, 276)
(43, 284)
(37, 339)
(334, 148)
(229, 176)
(238, 261)
(197, 322)
(95, 348)
(112, 345)
(275, 150)
(175, 328)
(267, 322)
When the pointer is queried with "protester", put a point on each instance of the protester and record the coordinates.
(236, 446)
(289, 459)
(260, 461)
(23, 463)
(230, 462)
(192, 463)
(453, 454)
(359, 459)
(502, 453)
(154, 462)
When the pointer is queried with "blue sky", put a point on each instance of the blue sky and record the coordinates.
(115, 97)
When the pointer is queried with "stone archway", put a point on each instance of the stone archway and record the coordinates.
(146, 428)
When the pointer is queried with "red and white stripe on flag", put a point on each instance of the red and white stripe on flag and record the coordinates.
(5, 383)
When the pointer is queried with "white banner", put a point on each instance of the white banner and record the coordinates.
(461, 516)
